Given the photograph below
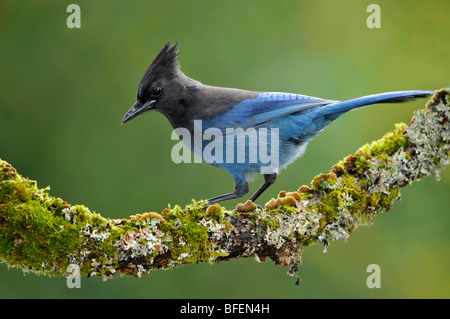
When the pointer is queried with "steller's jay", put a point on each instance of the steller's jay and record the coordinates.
(237, 129)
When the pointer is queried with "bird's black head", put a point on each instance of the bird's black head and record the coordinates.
(162, 85)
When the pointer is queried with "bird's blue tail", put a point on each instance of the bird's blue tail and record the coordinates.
(334, 110)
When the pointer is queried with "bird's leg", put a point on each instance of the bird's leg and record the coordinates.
(240, 189)
(269, 179)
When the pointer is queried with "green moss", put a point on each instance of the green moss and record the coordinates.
(288, 210)
(190, 229)
(269, 222)
(46, 234)
(305, 195)
(38, 231)
(350, 193)
(389, 143)
(350, 188)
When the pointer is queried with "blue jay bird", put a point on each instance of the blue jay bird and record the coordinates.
(283, 123)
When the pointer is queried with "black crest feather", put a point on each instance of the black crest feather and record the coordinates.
(165, 65)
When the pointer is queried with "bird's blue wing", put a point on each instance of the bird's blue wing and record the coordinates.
(267, 107)
(277, 105)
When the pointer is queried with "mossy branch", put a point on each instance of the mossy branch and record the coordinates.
(45, 235)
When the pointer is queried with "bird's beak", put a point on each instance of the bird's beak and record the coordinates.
(136, 109)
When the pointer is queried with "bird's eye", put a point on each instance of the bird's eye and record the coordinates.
(157, 92)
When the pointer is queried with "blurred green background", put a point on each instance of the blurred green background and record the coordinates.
(64, 91)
